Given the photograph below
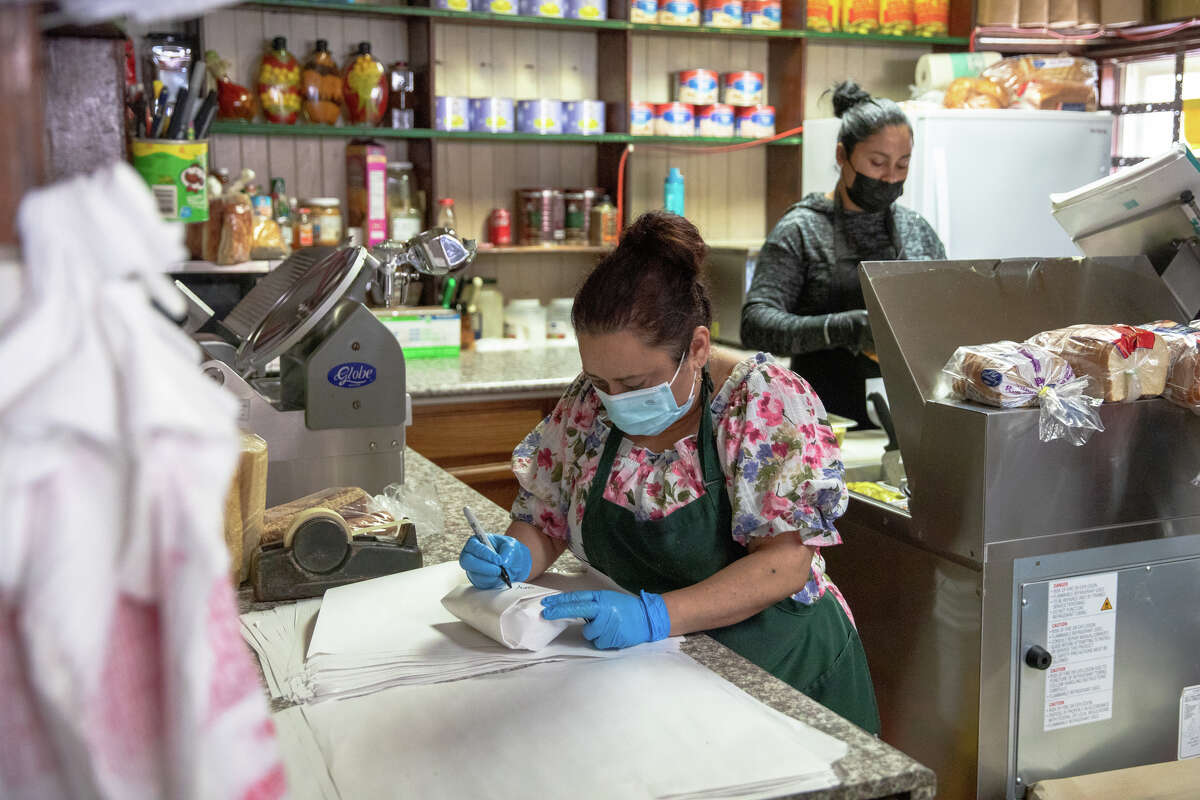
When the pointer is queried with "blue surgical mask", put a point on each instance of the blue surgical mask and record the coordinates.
(649, 411)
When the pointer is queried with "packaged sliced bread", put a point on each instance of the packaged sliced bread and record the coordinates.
(1124, 362)
(1020, 375)
(1183, 374)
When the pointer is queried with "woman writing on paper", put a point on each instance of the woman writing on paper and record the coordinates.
(805, 298)
(703, 484)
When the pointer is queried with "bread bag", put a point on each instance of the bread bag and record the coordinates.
(1125, 362)
(1047, 82)
(1012, 375)
(1183, 374)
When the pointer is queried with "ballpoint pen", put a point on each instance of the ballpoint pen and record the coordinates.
(483, 537)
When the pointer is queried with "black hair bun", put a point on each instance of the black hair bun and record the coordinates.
(846, 95)
(668, 237)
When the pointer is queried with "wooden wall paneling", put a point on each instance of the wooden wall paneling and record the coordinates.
(608, 158)
(249, 44)
(308, 180)
(614, 77)
(962, 17)
(421, 57)
(883, 70)
(785, 90)
(639, 54)
(783, 181)
(453, 59)
(477, 62)
(481, 192)
(504, 180)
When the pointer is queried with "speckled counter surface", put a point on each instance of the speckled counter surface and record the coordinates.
(481, 375)
(870, 769)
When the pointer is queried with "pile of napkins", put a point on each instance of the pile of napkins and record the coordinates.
(395, 631)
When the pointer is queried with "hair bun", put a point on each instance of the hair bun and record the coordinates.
(846, 95)
(669, 237)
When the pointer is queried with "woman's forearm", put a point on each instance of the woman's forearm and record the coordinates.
(775, 570)
(543, 550)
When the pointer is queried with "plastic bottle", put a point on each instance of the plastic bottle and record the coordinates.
(321, 86)
(404, 218)
(525, 319)
(279, 83)
(365, 88)
(558, 319)
(673, 192)
(602, 231)
(445, 215)
(490, 304)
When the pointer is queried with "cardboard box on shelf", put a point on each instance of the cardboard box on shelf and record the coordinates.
(1176, 9)
(1074, 13)
(999, 13)
(1114, 13)
(366, 178)
(1035, 13)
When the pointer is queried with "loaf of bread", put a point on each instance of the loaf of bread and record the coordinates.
(354, 505)
(1124, 362)
(1005, 374)
(1047, 81)
(1183, 374)
(975, 93)
(244, 505)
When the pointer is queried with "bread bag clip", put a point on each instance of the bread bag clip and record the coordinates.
(1011, 375)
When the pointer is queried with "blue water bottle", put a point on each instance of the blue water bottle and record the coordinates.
(673, 192)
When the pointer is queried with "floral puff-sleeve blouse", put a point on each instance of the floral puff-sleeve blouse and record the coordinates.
(783, 469)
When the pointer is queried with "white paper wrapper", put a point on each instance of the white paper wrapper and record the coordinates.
(513, 617)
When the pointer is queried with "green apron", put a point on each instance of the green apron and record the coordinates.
(814, 647)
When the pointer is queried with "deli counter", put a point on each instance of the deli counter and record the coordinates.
(1035, 612)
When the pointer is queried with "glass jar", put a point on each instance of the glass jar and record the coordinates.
(400, 97)
(327, 220)
(302, 230)
(405, 220)
(365, 88)
(321, 83)
(445, 215)
(279, 84)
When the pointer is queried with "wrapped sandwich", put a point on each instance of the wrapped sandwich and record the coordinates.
(1012, 375)
(1126, 363)
(1183, 372)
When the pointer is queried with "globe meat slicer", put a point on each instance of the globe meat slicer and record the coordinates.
(335, 415)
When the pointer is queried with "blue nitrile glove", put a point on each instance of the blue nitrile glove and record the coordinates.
(483, 565)
(614, 619)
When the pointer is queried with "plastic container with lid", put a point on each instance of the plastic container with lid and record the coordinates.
(405, 219)
(558, 319)
(525, 319)
(327, 220)
(490, 306)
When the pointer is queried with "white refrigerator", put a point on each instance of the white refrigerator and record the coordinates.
(983, 179)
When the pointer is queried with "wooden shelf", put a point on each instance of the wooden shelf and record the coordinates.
(475, 17)
(236, 128)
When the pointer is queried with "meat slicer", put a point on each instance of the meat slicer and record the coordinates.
(336, 414)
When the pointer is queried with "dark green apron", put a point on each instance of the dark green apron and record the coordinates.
(814, 648)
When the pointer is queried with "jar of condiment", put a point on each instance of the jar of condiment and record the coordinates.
(365, 88)
(302, 230)
(400, 97)
(327, 220)
(321, 85)
(279, 83)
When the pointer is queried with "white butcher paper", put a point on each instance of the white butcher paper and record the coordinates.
(513, 617)
(650, 725)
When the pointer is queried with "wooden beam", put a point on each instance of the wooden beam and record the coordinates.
(21, 163)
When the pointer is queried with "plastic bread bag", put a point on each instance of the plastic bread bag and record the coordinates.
(1047, 82)
(1125, 363)
(402, 500)
(1011, 375)
(268, 239)
(360, 511)
(1183, 373)
(237, 230)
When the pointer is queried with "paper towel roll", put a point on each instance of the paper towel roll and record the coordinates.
(936, 71)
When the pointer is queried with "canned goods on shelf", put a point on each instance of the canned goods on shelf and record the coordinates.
(699, 87)
(452, 5)
(714, 120)
(763, 15)
(587, 9)
(495, 6)
(674, 119)
(540, 116)
(541, 8)
(493, 114)
(643, 11)
(641, 119)
(583, 116)
(755, 121)
(721, 13)
(678, 12)
(500, 227)
(451, 114)
(577, 204)
(742, 88)
(540, 216)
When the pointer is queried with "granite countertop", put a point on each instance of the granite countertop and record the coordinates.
(485, 374)
(870, 769)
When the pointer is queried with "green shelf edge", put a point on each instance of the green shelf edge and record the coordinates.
(349, 131)
(605, 24)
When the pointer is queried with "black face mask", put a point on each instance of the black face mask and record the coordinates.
(872, 194)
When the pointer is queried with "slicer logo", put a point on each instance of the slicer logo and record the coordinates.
(352, 375)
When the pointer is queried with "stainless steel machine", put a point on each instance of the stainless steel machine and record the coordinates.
(1037, 613)
(336, 414)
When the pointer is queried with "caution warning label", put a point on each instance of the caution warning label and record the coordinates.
(1081, 627)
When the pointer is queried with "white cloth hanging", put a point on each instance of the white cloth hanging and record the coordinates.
(122, 671)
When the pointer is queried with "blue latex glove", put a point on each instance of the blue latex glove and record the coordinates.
(483, 566)
(614, 619)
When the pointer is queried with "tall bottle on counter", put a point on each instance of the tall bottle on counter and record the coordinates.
(673, 192)
(602, 230)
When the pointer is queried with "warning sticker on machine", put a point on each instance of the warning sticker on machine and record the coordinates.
(1081, 628)
(1189, 722)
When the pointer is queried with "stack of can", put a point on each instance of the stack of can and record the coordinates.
(546, 216)
(756, 14)
(504, 115)
(708, 104)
